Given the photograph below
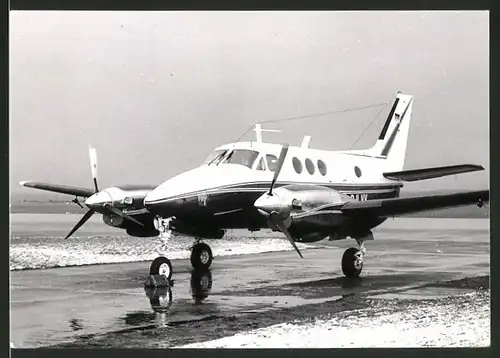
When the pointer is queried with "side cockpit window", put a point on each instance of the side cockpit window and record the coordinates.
(272, 162)
(261, 165)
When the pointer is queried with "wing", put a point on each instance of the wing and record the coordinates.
(401, 206)
(429, 173)
(56, 188)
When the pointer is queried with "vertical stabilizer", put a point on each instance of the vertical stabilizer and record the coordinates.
(392, 141)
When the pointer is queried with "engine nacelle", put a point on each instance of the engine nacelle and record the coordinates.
(115, 221)
(313, 237)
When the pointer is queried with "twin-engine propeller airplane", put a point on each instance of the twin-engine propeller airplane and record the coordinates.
(307, 194)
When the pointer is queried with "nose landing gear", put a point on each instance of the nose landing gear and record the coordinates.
(201, 254)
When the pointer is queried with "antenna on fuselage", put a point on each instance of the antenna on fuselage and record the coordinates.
(258, 132)
(305, 141)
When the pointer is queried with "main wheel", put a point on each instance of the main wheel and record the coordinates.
(201, 256)
(352, 262)
(161, 266)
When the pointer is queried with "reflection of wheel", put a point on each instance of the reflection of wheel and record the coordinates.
(201, 256)
(352, 262)
(161, 266)
(160, 298)
(201, 284)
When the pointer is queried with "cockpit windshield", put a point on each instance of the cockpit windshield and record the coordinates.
(241, 156)
(215, 157)
(232, 156)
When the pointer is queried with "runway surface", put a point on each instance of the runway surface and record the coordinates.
(413, 265)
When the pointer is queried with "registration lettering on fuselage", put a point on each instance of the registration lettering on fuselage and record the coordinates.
(359, 197)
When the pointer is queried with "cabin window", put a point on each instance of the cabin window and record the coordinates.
(322, 167)
(310, 166)
(241, 156)
(261, 165)
(297, 165)
(272, 162)
(357, 171)
(215, 157)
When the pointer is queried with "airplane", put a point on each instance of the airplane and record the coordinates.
(307, 194)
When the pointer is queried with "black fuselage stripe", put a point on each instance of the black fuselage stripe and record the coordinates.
(262, 187)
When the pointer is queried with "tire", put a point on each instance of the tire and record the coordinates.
(161, 266)
(350, 266)
(201, 256)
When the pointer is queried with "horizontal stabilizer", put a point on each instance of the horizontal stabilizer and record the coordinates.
(401, 206)
(56, 188)
(429, 173)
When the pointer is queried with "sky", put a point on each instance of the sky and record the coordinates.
(155, 92)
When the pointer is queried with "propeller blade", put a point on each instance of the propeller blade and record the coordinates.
(281, 160)
(281, 225)
(122, 214)
(93, 166)
(82, 221)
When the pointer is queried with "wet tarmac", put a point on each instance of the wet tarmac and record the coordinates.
(108, 306)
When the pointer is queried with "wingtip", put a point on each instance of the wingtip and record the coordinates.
(24, 182)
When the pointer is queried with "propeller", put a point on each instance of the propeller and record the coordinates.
(82, 221)
(90, 212)
(93, 166)
(98, 201)
(281, 160)
(271, 205)
(281, 225)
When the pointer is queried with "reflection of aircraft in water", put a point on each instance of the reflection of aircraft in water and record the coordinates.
(201, 285)
(161, 297)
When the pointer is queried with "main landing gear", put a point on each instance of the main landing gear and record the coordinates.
(352, 260)
(201, 254)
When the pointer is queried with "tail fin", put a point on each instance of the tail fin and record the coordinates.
(391, 143)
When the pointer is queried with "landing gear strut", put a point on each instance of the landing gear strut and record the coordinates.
(352, 260)
(162, 265)
(201, 253)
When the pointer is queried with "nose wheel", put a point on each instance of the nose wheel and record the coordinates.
(201, 256)
(161, 266)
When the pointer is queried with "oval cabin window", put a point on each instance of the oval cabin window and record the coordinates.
(297, 165)
(357, 171)
(322, 167)
(310, 166)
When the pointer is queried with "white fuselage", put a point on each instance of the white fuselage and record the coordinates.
(235, 182)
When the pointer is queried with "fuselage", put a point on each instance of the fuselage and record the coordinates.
(221, 192)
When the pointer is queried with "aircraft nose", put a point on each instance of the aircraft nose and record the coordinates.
(98, 199)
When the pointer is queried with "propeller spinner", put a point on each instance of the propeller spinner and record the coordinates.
(276, 208)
